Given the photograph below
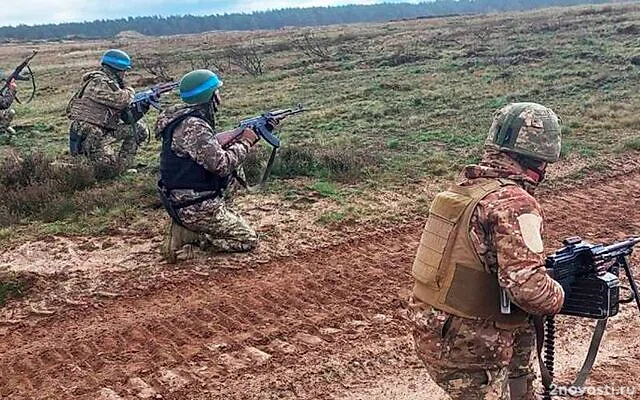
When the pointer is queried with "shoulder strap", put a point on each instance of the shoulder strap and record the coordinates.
(84, 87)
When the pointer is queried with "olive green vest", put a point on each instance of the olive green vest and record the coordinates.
(449, 275)
(81, 108)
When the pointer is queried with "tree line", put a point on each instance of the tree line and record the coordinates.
(275, 19)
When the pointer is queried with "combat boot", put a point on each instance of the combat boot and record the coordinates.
(175, 237)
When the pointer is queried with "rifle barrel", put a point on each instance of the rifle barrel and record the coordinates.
(623, 245)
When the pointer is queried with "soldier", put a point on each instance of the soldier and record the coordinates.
(483, 239)
(6, 113)
(101, 115)
(195, 170)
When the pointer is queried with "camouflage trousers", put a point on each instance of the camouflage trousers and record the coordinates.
(221, 230)
(97, 144)
(6, 117)
(474, 360)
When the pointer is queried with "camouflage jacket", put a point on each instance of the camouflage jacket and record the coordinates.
(506, 230)
(7, 98)
(195, 138)
(100, 100)
(103, 88)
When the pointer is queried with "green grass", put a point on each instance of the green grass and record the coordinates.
(11, 289)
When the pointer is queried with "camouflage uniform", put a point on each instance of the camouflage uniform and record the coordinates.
(107, 95)
(6, 113)
(475, 359)
(219, 228)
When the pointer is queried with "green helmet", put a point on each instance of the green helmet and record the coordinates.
(116, 59)
(528, 129)
(198, 87)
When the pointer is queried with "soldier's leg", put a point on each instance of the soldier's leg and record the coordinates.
(223, 230)
(95, 145)
(133, 137)
(521, 374)
(6, 117)
(468, 360)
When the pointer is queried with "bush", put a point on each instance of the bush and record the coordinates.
(37, 186)
(293, 161)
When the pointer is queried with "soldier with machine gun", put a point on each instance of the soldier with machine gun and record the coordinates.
(484, 234)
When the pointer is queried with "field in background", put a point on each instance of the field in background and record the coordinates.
(393, 105)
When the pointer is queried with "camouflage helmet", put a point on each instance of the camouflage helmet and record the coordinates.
(116, 59)
(198, 87)
(528, 129)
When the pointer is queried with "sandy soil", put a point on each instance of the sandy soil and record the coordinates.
(320, 323)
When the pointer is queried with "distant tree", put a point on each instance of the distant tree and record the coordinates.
(156, 25)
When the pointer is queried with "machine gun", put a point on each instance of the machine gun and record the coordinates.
(261, 126)
(151, 97)
(17, 75)
(594, 294)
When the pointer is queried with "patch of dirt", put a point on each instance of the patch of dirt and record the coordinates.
(323, 324)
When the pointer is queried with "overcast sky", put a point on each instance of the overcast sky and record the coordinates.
(52, 11)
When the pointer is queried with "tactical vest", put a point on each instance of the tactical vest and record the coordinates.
(449, 274)
(183, 172)
(84, 109)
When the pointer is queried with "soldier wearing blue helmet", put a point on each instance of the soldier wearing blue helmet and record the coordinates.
(100, 115)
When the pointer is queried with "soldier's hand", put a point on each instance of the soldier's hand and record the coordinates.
(249, 137)
(12, 85)
(272, 123)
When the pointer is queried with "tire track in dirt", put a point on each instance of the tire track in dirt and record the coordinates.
(311, 326)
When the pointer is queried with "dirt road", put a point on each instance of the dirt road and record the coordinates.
(327, 324)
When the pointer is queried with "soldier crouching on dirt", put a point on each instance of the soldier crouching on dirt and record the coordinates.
(195, 170)
(100, 115)
(7, 113)
(484, 234)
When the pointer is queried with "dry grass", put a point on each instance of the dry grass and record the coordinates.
(394, 102)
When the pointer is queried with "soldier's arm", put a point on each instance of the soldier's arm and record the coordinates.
(7, 98)
(106, 92)
(196, 138)
(516, 220)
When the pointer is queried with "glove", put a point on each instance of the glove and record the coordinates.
(249, 137)
(272, 123)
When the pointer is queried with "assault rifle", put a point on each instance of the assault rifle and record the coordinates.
(261, 126)
(594, 294)
(151, 97)
(17, 75)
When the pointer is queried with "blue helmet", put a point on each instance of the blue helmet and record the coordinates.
(116, 59)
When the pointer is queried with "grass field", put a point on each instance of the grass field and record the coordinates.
(392, 106)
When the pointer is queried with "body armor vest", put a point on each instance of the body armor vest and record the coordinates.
(84, 109)
(183, 172)
(449, 274)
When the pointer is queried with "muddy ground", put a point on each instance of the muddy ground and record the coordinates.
(317, 323)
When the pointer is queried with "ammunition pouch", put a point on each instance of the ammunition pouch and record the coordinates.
(75, 142)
